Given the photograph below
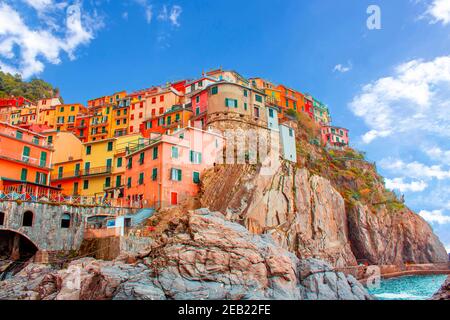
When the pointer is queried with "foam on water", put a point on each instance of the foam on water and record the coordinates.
(408, 287)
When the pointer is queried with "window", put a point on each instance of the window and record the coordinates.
(177, 117)
(60, 172)
(231, 103)
(88, 150)
(141, 158)
(256, 111)
(119, 162)
(87, 167)
(27, 220)
(197, 111)
(107, 182)
(118, 181)
(153, 100)
(65, 221)
(155, 153)
(26, 154)
(130, 163)
(154, 174)
(196, 157)
(61, 109)
(35, 140)
(271, 113)
(245, 93)
(161, 98)
(110, 146)
(291, 132)
(245, 106)
(23, 174)
(41, 178)
(86, 184)
(77, 170)
(196, 177)
(169, 120)
(148, 124)
(109, 164)
(72, 108)
(214, 90)
(141, 178)
(174, 153)
(197, 99)
(2, 218)
(258, 98)
(176, 174)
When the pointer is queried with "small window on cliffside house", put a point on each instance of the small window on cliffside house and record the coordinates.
(2, 218)
(27, 219)
(65, 221)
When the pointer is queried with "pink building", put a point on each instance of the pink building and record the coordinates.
(334, 136)
(167, 169)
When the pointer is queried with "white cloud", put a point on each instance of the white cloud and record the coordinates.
(342, 69)
(402, 186)
(439, 11)
(435, 216)
(415, 99)
(437, 154)
(149, 14)
(172, 16)
(415, 169)
(37, 44)
(175, 13)
(125, 15)
(40, 5)
(447, 247)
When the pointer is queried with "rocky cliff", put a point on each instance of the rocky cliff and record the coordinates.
(320, 215)
(444, 291)
(199, 255)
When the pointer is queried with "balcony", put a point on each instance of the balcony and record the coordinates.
(96, 171)
(13, 156)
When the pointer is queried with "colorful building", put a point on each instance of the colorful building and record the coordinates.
(335, 136)
(65, 116)
(25, 162)
(120, 117)
(172, 120)
(321, 113)
(66, 162)
(165, 171)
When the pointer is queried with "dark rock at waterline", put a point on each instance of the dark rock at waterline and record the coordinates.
(444, 291)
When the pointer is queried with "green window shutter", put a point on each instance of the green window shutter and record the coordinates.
(77, 169)
(154, 174)
(108, 182)
(119, 162)
(129, 182)
(226, 102)
(174, 152)
(130, 163)
(179, 175)
(60, 172)
(191, 156)
(38, 177)
(88, 150)
(196, 177)
(87, 166)
(118, 181)
(245, 106)
(23, 174)
(110, 144)
(155, 153)
(43, 161)
(86, 184)
(26, 151)
(141, 158)
(214, 90)
(19, 134)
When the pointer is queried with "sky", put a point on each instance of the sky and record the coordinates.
(389, 85)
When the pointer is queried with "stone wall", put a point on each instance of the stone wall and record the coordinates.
(46, 231)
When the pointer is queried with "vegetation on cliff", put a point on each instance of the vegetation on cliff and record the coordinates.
(35, 89)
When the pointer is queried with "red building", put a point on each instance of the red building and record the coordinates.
(335, 136)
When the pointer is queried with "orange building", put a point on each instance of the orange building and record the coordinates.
(172, 120)
(25, 159)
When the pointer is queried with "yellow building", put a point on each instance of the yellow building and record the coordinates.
(120, 118)
(66, 161)
(65, 115)
(47, 117)
(101, 164)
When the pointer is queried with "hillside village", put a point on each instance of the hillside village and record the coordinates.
(120, 150)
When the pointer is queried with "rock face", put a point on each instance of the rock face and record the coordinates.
(305, 215)
(384, 237)
(444, 292)
(205, 257)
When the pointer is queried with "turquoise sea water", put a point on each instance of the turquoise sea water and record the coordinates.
(408, 288)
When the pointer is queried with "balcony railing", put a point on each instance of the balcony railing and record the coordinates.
(13, 156)
(96, 171)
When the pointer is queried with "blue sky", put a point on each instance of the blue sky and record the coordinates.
(390, 87)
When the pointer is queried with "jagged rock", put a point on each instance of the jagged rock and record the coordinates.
(444, 291)
(206, 257)
(303, 213)
(307, 216)
(385, 237)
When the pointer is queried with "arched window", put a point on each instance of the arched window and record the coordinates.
(2, 218)
(27, 219)
(65, 221)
